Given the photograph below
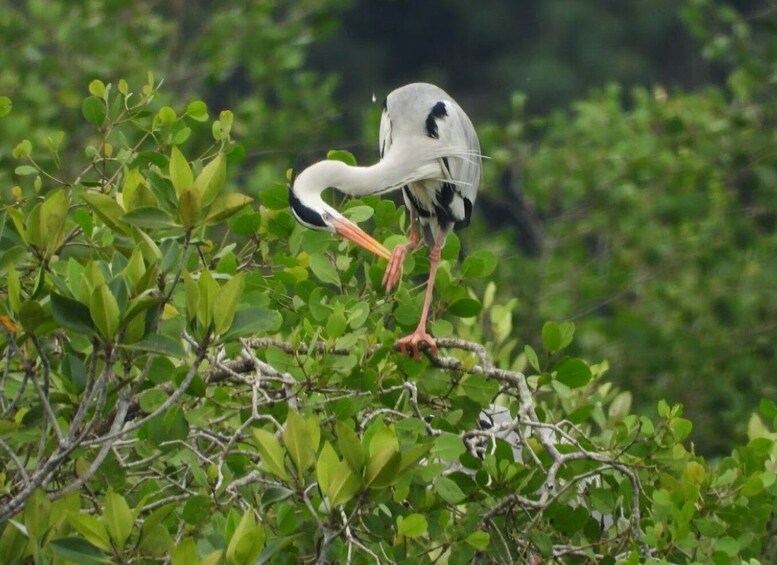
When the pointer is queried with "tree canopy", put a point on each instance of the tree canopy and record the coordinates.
(190, 376)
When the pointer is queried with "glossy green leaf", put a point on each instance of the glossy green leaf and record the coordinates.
(180, 172)
(148, 218)
(412, 525)
(107, 209)
(324, 270)
(71, 314)
(31, 315)
(228, 297)
(5, 106)
(574, 373)
(209, 289)
(91, 528)
(465, 308)
(382, 468)
(93, 110)
(77, 550)
(341, 155)
(158, 343)
(210, 181)
(197, 110)
(325, 466)
(104, 310)
(448, 447)
(252, 321)
(226, 206)
(296, 437)
(185, 552)
(479, 540)
(448, 490)
(37, 512)
(344, 484)
(271, 452)
(118, 518)
(189, 207)
(350, 446)
(551, 337)
(247, 541)
(479, 265)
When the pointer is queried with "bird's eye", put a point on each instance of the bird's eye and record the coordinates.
(326, 216)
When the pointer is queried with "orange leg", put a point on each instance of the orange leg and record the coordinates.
(394, 268)
(411, 343)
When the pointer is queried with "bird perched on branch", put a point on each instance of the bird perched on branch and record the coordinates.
(430, 151)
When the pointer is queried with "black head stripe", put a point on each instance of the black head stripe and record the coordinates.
(305, 215)
(438, 111)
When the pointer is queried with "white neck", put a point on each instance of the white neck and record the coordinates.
(390, 173)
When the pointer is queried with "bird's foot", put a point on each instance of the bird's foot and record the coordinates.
(411, 345)
(394, 268)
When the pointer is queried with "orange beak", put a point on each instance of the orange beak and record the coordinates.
(352, 232)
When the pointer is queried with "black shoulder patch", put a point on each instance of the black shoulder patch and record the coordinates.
(305, 215)
(385, 104)
(438, 111)
(420, 210)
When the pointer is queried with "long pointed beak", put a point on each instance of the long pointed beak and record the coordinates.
(352, 232)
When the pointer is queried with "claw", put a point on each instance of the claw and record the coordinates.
(410, 345)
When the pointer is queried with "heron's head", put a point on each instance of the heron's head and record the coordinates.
(311, 211)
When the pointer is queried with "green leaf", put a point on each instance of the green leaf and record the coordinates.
(165, 116)
(210, 181)
(359, 214)
(25, 170)
(551, 337)
(118, 518)
(189, 207)
(107, 209)
(411, 456)
(531, 357)
(180, 172)
(77, 550)
(71, 314)
(480, 389)
(326, 466)
(252, 321)
(228, 298)
(271, 452)
(574, 373)
(448, 490)
(350, 446)
(247, 541)
(94, 110)
(37, 512)
(412, 525)
(148, 218)
(448, 447)
(296, 437)
(31, 315)
(185, 553)
(197, 111)
(382, 468)
(208, 288)
(5, 106)
(344, 484)
(91, 528)
(680, 428)
(465, 308)
(335, 325)
(97, 88)
(275, 196)
(22, 150)
(341, 155)
(479, 540)
(104, 310)
(324, 270)
(479, 265)
(158, 343)
(226, 206)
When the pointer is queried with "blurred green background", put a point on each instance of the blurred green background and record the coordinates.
(631, 179)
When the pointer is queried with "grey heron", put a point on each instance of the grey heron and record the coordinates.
(430, 151)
